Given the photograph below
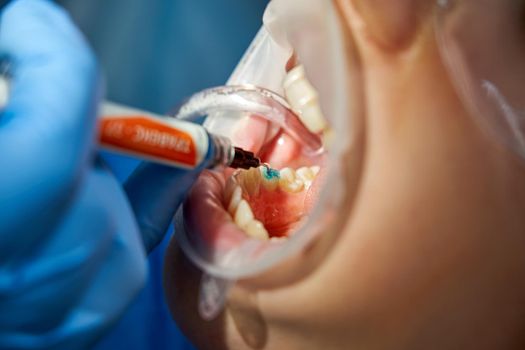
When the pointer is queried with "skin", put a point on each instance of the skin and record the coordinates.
(429, 251)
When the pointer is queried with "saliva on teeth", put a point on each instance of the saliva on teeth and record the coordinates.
(251, 181)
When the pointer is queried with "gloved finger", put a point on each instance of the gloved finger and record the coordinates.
(155, 192)
(46, 126)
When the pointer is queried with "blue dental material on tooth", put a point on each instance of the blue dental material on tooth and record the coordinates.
(271, 173)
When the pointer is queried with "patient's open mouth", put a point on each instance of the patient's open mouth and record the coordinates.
(261, 203)
(227, 208)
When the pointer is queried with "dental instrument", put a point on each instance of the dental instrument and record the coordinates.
(167, 140)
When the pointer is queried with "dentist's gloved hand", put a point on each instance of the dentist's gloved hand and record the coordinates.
(71, 253)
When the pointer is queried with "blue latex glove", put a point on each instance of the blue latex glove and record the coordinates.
(71, 254)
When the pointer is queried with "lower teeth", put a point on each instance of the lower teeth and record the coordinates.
(246, 184)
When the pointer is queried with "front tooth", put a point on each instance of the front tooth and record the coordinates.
(289, 182)
(243, 214)
(255, 229)
(269, 184)
(236, 198)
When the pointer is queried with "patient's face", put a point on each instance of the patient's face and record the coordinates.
(428, 250)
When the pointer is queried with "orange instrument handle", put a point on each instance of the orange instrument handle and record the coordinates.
(164, 140)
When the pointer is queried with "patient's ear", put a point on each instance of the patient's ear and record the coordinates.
(392, 24)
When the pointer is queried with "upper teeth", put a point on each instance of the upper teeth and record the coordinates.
(303, 98)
